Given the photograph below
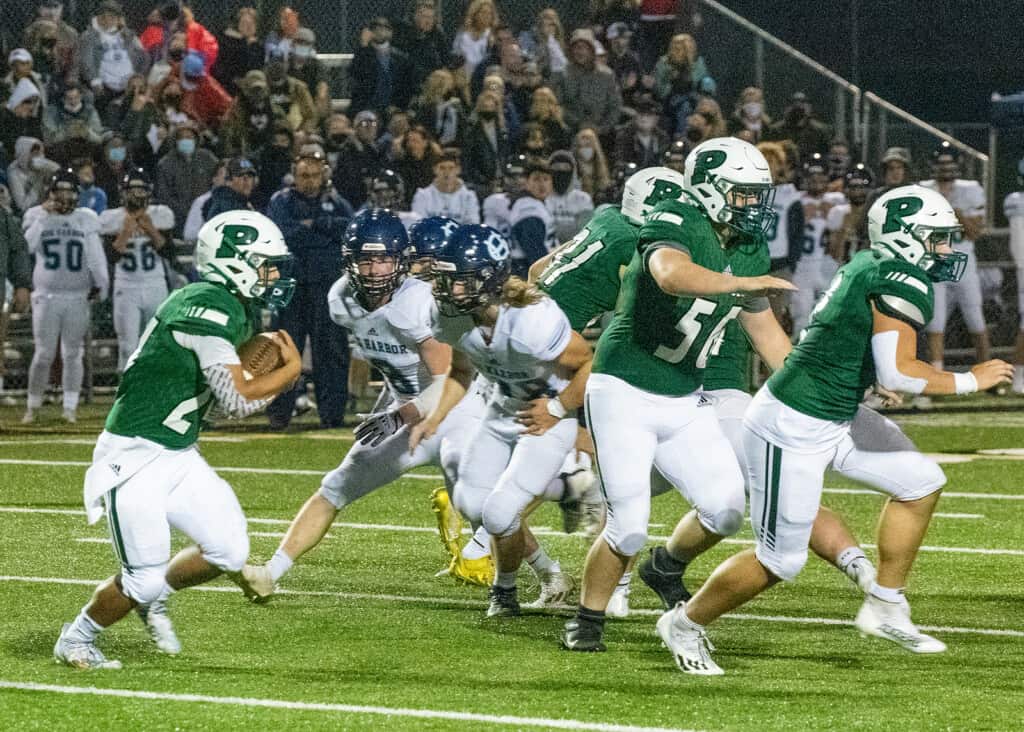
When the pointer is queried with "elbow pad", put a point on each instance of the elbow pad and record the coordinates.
(883, 348)
(233, 404)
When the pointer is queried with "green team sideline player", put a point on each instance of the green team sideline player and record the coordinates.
(147, 470)
(861, 330)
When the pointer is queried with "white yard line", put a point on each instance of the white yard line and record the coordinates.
(239, 701)
(462, 602)
(959, 515)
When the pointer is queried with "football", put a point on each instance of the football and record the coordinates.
(259, 355)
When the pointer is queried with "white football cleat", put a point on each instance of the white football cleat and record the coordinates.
(618, 603)
(862, 573)
(689, 646)
(84, 656)
(554, 590)
(30, 416)
(70, 416)
(891, 621)
(256, 582)
(160, 627)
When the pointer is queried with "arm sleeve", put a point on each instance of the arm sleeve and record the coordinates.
(215, 354)
(32, 235)
(162, 217)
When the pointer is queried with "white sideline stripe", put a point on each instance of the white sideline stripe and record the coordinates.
(462, 602)
(538, 530)
(438, 478)
(959, 515)
(241, 701)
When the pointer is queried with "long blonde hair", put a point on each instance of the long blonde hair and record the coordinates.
(597, 178)
(437, 86)
(544, 94)
(518, 293)
(469, 20)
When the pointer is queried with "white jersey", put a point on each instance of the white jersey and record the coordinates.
(967, 197)
(529, 207)
(570, 212)
(194, 221)
(518, 356)
(497, 208)
(462, 205)
(389, 336)
(786, 196)
(140, 266)
(1013, 207)
(816, 211)
(68, 253)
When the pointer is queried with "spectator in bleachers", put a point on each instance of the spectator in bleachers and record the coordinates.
(197, 38)
(416, 157)
(240, 51)
(154, 35)
(625, 64)
(279, 41)
(486, 144)
(642, 141)
(605, 13)
(532, 225)
(72, 119)
(472, 42)
(423, 42)
(28, 176)
(381, 74)
(42, 40)
(533, 142)
(359, 159)
(184, 173)
(313, 224)
(656, 25)
(306, 67)
(16, 268)
(109, 54)
(90, 195)
(569, 206)
(167, 59)
(511, 69)
(21, 116)
(447, 195)
(337, 131)
(67, 37)
(839, 160)
(513, 120)
(709, 110)
(195, 219)
(114, 115)
(114, 160)
(749, 116)
(547, 112)
(390, 143)
(799, 124)
(274, 164)
(203, 98)
(250, 121)
(680, 77)
(896, 164)
(291, 95)
(234, 194)
(591, 161)
(439, 108)
(19, 64)
(589, 93)
(545, 43)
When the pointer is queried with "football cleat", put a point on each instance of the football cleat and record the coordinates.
(576, 484)
(84, 656)
(583, 636)
(689, 646)
(618, 603)
(862, 573)
(160, 628)
(30, 416)
(478, 571)
(666, 584)
(449, 523)
(555, 588)
(504, 602)
(255, 581)
(70, 416)
(891, 621)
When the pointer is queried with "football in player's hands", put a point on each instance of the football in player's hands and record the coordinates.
(260, 355)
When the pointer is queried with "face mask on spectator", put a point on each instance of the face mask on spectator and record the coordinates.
(38, 163)
(117, 154)
(562, 179)
(302, 52)
(586, 153)
(186, 146)
(752, 109)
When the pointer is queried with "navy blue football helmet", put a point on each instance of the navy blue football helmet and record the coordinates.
(64, 190)
(471, 269)
(427, 238)
(375, 233)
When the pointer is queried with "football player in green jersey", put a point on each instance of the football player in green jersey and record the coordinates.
(643, 403)
(147, 471)
(862, 330)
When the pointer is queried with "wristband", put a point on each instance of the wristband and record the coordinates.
(965, 383)
(556, 409)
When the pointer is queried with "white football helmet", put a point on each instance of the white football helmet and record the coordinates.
(731, 181)
(911, 223)
(238, 249)
(645, 188)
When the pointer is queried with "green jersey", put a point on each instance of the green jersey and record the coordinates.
(729, 362)
(828, 370)
(658, 342)
(163, 394)
(583, 278)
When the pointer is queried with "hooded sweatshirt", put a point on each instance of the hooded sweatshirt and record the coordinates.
(28, 182)
(12, 126)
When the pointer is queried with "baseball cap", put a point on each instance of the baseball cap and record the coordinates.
(305, 35)
(255, 78)
(896, 154)
(19, 54)
(583, 34)
(193, 65)
(366, 116)
(240, 166)
(110, 6)
(616, 30)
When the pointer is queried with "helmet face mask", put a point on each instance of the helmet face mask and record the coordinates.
(731, 181)
(918, 225)
(375, 239)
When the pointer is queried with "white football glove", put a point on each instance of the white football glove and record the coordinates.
(375, 428)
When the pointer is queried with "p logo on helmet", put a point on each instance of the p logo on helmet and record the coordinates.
(896, 210)
(236, 235)
(709, 161)
(663, 190)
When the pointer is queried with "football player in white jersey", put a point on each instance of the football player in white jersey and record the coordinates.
(816, 267)
(389, 315)
(70, 268)
(531, 224)
(785, 235)
(497, 206)
(387, 190)
(570, 207)
(967, 198)
(522, 342)
(137, 231)
(447, 195)
(1013, 208)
